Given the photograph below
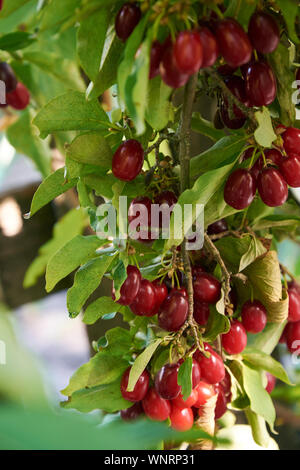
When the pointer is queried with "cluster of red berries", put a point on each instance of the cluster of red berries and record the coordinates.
(282, 169)
(291, 333)
(17, 94)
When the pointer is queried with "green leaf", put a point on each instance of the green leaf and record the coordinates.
(69, 257)
(255, 250)
(264, 361)
(268, 339)
(289, 9)
(49, 189)
(238, 253)
(264, 134)
(101, 306)
(258, 427)
(87, 279)
(185, 377)
(92, 149)
(159, 110)
(10, 7)
(276, 221)
(56, 12)
(119, 275)
(141, 363)
(217, 324)
(16, 41)
(69, 112)
(119, 341)
(205, 127)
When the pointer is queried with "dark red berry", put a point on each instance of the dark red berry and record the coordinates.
(182, 419)
(179, 402)
(264, 32)
(7, 76)
(197, 270)
(230, 122)
(201, 312)
(182, 291)
(188, 52)
(212, 367)
(140, 389)
(144, 302)
(254, 316)
(170, 72)
(173, 312)
(233, 42)
(261, 84)
(130, 287)
(132, 413)
(217, 227)
(166, 381)
(226, 71)
(207, 288)
(209, 46)
(156, 407)
(205, 392)
(126, 20)
(240, 189)
(140, 212)
(271, 187)
(167, 200)
(291, 141)
(290, 170)
(271, 382)
(18, 98)
(293, 337)
(226, 385)
(161, 293)
(294, 306)
(235, 341)
(221, 404)
(233, 117)
(257, 167)
(273, 156)
(128, 160)
(156, 54)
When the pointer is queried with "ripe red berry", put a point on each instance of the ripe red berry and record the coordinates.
(235, 341)
(294, 306)
(254, 316)
(128, 160)
(140, 389)
(156, 407)
(293, 337)
(257, 167)
(156, 54)
(205, 392)
(167, 200)
(291, 141)
(161, 293)
(271, 187)
(271, 382)
(19, 98)
(144, 302)
(233, 42)
(188, 52)
(130, 287)
(226, 71)
(173, 312)
(7, 76)
(166, 381)
(212, 367)
(237, 87)
(273, 156)
(290, 170)
(182, 419)
(217, 227)
(264, 32)
(126, 20)
(226, 385)
(139, 218)
(240, 189)
(170, 72)
(221, 404)
(261, 84)
(201, 312)
(190, 401)
(209, 46)
(132, 413)
(207, 288)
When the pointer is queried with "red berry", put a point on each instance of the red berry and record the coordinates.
(128, 160)
(197, 270)
(240, 189)
(271, 382)
(156, 54)
(205, 392)
(235, 341)
(130, 287)
(196, 373)
(182, 419)
(126, 20)
(221, 404)
(144, 302)
(155, 407)
(140, 211)
(140, 389)
(132, 413)
(226, 71)
(167, 200)
(190, 401)
(166, 381)
(254, 316)
(166, 197)
(182, 291)
(257, 167)
(294, 306)
(18, 98)
(201, 312)
(207, 288)
(273, 156)
(188, 52)
(233, 42)
(237, 87)
(290, 170)
(264, 32)
(170, 72)
(209, 46)
(7, 76)
(293, 337)
(291, 141)
(226, 385)
(212, 367)
(261, 84)
(161, 293)
(217, 227)
(271, 187)
(173, 312)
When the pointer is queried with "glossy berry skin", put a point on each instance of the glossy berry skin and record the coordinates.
(205, 392)
(182, 419)
(293, 337)
(190, 401)
(173, 312)
(263, 32)
(19, 98)
(128, 160)
(156, 407)
(261, 84)
(221, 404)
(273, 156)
(201, 312)
(8, 77)
(212, 367)
(231, 123)
(271, 382)
(209, 46)
(294, 306)
(290, 170)
(197, 270)
(188, 52)
(271, 187)
(140, 389)
(235, 341)
(254, 316)
(233, 42)
(144, 302)
(257, 167)
(170, 72)
(217, 227)
(156, 54)
(161, 293)
(130, 287)
(132, 413)
(196, 373)
(166, 383)
(240, 189)
(226, 385)
(126, 20)
(291, 141)
(207, 288)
